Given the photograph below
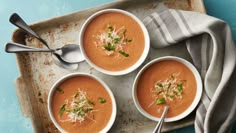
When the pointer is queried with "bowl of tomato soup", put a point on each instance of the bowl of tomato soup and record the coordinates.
(114, 41)
(170, 81)
(81, 102)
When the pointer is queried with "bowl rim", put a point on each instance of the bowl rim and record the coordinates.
(193, 104)
(139, 61)
(61, 80)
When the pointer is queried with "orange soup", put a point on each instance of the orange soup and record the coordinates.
(81, 104)
(113, 41)
(166, 83)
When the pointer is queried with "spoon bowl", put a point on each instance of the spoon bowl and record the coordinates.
(70, 53)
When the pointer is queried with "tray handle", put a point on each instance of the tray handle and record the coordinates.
(22, 97)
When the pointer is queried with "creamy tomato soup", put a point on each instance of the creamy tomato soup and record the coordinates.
(81, 104)
(113, 41)
(166, 83)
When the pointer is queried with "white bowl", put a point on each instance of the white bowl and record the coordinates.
(189, 109)
(53, 89)
(133, 67)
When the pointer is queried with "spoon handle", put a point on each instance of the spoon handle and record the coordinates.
(16, 48)
(16, 20)
(160, 123)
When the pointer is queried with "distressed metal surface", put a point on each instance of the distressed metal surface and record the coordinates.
(39, 72)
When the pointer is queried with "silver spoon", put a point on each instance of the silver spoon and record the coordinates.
(69, 53)
(160, 123)
(18, 48)
(17, 21)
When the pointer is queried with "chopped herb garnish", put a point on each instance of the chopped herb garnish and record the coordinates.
(76, 95)
(62, 109)
(180, 88)
(159, 92)
(80, 113)
(78, 109)
(124, 32)
(168, 89)
(169, 86)
(89, 102)
(110, 28)
(176, 93)
(159, 84)
(60, 90)
(116, 40)
(123, 53)
(73, 110)
(87, 110)
(109, 47)
(79, 101)
(128, 40)
(160, 101)
(113, 40)
(109, 35)
(170, 96)
(102, 100)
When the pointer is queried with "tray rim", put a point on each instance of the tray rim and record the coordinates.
(40, 22)
(27, 111)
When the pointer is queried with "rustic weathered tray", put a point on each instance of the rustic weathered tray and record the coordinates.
(38, 71)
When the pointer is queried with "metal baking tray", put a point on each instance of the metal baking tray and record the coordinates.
(38, 71)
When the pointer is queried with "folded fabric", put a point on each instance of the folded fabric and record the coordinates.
(210, 45)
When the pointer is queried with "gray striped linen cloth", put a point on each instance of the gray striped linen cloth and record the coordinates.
(209, 43)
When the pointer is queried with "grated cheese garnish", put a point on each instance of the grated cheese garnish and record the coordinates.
(167, 90)
(113, 40)
(79, 108)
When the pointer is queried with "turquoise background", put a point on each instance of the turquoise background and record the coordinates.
(11, 118)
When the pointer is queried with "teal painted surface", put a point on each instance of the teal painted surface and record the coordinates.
(225, 10)
(11, 118)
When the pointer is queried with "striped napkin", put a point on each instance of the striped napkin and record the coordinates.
(210, 45)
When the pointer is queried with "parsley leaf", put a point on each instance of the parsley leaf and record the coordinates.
(62, 109)
(160, 101)
(123, 53)
(60, 90)
(102, 100)
(109, 47)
